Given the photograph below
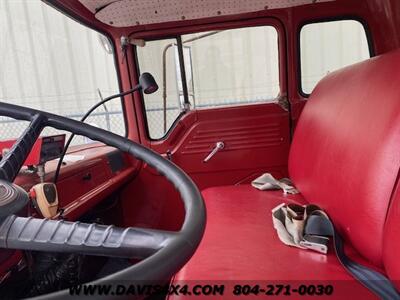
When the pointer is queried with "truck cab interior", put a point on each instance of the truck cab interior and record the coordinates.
(211, 95)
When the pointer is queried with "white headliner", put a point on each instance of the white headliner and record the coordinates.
(121, 13)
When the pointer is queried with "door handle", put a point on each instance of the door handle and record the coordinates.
(218, 146)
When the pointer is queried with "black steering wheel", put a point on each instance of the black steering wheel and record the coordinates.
(163, 253)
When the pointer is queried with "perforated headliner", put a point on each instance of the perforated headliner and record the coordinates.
(121, 13)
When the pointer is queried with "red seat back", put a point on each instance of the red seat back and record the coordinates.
(345, 154)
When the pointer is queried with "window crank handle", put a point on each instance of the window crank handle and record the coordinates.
(218, 146)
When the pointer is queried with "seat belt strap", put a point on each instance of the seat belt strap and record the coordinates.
(319, 224)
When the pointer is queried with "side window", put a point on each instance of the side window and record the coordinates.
(222, 68)
(163, 107)
(328, 46)
(51, 62)
(231, 67)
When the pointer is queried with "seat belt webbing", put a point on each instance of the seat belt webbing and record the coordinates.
(374, 281)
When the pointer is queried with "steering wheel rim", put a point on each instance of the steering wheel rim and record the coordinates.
(165, 262)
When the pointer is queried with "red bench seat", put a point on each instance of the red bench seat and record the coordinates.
(345, 157)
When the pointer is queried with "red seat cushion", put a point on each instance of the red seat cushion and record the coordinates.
(240, 244)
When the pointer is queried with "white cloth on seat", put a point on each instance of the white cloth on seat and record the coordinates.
(268, 182)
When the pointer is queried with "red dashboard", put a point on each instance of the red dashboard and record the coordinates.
(94, 173)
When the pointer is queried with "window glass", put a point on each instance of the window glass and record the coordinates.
(328, 46)
(163, 106)
(235, 66)
(229, 67)
(52, 63)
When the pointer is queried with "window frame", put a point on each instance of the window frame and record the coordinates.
(257, 22)
(143, 104)
(364, 24)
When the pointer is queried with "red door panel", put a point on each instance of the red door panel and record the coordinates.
(256, 139)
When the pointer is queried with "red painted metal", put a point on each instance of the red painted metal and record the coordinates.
(256, 139)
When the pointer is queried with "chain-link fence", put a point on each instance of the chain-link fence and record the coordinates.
(111, 121)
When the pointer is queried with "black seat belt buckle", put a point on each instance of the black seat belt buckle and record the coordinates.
(315, 242)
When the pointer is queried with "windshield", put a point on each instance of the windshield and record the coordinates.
(50, 62)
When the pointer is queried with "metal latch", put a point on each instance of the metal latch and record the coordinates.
(218, 146)
(316, 243)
